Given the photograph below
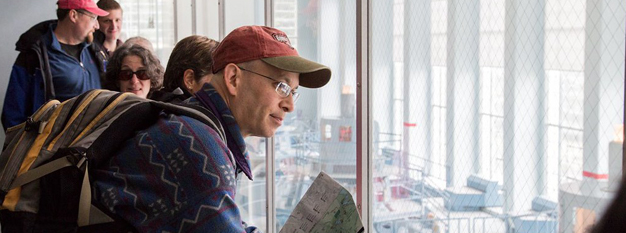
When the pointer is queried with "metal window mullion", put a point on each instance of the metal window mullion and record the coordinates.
(194, 17)
(269, 185)
(175, 2)
(269, 163)
(364, 140)
(221, 18)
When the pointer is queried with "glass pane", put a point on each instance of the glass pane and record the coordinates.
(489, 111)
(251, 195)
(239, 13)
(320, 135)
(153, 20)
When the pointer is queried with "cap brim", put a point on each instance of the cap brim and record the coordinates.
(312, 74)
(98, 11)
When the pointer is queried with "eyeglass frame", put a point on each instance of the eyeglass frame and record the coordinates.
(138, 73)
(94, 18)
(294, 95)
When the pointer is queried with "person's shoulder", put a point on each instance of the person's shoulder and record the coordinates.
(174, 97)
(187, 126)
(36, 33)
(98, 37)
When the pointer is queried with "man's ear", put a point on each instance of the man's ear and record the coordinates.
(73, 15)
(232, 78)
(189, 79)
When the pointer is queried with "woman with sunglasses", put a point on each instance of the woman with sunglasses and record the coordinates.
(134, 69)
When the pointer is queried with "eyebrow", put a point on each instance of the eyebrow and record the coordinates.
(283, 74)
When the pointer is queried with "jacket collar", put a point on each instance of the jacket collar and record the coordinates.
(210, 99)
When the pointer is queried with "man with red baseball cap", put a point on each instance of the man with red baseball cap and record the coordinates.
(87, 5)
(56, 61)
(180, 175)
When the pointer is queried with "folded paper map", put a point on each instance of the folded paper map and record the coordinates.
(325, 207)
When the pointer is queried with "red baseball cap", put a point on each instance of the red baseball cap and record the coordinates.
(272, 46)
(87, 5)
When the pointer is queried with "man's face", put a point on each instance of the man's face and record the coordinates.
(258, 108)
(111, 25)
(86, 24)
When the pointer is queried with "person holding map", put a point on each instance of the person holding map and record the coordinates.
(180, 175)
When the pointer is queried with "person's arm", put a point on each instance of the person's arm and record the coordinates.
(23, 96)
(176, 176)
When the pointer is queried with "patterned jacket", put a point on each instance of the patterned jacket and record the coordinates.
(178, 175)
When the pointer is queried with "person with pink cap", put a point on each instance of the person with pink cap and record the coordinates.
(180, 175)
(56, 61)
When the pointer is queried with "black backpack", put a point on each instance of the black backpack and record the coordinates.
(45, 162)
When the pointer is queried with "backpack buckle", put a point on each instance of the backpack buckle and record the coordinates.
(76, 156)
(32, 124)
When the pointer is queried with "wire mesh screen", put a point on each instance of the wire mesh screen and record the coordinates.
(496, 116)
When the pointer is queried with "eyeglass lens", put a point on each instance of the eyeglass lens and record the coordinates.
(284, 90)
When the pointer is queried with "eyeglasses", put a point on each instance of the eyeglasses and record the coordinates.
(92, 17)
(283, 89)
(126, 75)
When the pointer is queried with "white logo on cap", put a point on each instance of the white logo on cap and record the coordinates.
(282, 39)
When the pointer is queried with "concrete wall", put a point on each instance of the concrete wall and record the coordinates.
(15, 18)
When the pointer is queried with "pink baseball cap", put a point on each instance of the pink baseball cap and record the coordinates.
(272, 46)
(87, 5)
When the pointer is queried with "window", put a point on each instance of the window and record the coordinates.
(153, 20)
(481, 110)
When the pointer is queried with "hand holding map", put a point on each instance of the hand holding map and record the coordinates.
(325, 207)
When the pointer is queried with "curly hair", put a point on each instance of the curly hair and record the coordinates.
(192, 52)
(153, 66)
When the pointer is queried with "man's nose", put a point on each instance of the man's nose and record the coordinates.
(288, 104)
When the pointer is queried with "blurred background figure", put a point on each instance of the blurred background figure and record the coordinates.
(142, 41)
(614, 219)
(133, 68)
(189, 67)
(108, 37)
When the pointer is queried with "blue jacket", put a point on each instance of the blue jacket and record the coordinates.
(42, 62)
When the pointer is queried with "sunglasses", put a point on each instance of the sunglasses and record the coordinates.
(126, 75)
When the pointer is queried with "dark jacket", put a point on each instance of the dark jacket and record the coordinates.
(43, 71)
(98, 40)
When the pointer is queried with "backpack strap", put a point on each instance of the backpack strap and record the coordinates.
(196, 112)
(46, 73)
(45, 169)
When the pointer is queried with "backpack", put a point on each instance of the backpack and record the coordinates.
(45, 162)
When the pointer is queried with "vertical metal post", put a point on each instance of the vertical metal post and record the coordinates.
(269, 13)
(269, 186)
(222, 20)
(363, 121)
(175, 20)
(269, 162)
(193, 17)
